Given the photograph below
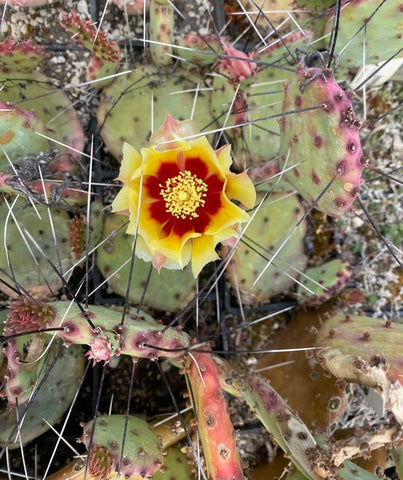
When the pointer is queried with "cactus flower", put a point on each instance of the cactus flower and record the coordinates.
(185, 189)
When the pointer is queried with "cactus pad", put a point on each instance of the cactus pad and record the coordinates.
(17, 134)
(125, 109)
(365, 350)
(269, 227)
(169, 290)
(322, 144)
(333, 276)
(29, 266)
(142, 454)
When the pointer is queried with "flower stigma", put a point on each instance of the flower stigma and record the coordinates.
(184, 194)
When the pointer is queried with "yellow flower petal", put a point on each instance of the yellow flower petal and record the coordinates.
(203, 252)
(130, 163)
(240, 187)
(227, 216)
(177, 249)
(224, 158)
(121, 203)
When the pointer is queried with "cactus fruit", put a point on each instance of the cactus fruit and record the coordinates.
(170, 290)
(142, 451)
(270, 225)
(323, 143)
(23, 260)
(214, 425)
(365, 350)
(332, 276)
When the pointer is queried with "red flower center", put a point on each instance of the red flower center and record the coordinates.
(183, 199)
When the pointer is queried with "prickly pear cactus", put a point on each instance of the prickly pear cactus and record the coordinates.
(175, 466)
(324, 282)
(214, 425)
(104, 53)
(358, 27)
(17, 134)
(30, 243)
(21, 83)
(322, 143)
(124, 112)
(367, 351)
(271, 224)
(20, 56)
(169, 290)
(142, 451)
(25, 372)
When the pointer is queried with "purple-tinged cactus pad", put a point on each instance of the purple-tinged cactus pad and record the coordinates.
(142, 453)
(20, 56)
(323, 143)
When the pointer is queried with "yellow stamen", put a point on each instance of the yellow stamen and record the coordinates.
(184, 194)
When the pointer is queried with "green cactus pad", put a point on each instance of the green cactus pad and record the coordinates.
(260, 141)
(175, 466)
(17, 134)
(382, 34)
(365, 350)
(168, 290)
(34, 92)
(33, 271)
(142, 454)
(161, 32)
(270, 226)
(332, 276)
(125, 108)
(20, 56)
